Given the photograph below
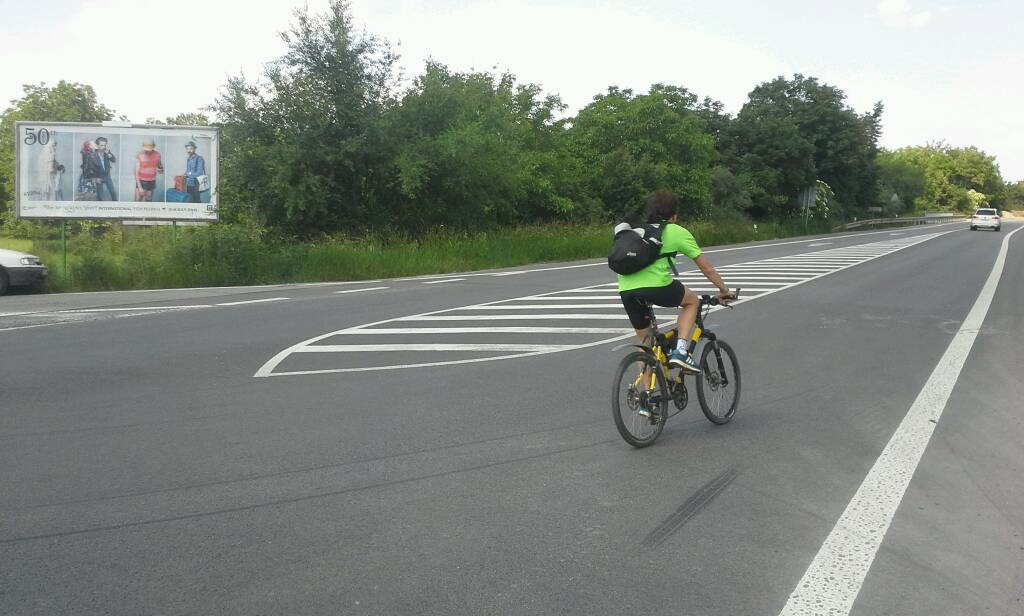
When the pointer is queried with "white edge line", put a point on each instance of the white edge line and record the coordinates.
(267, 370)
(836, 575)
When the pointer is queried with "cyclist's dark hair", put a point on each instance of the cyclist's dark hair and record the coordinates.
(661, 206)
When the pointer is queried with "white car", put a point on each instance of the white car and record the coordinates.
(985, 217)
(19, 269)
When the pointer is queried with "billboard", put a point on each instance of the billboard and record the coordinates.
(116, 171)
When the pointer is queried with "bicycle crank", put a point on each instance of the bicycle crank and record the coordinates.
(679, 395)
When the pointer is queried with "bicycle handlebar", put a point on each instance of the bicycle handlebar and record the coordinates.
(712, 300)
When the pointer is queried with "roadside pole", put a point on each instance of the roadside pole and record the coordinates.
(64, 248)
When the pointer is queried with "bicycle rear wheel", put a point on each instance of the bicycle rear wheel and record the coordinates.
(718, 384)
(640, 399)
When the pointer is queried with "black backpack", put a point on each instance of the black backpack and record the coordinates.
(635, 249)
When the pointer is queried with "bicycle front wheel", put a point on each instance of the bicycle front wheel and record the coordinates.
(718, 384)
(640, 399)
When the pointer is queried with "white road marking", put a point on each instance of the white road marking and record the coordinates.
(834, 579)
(445, 280)
(509, 307)
(760, 274)
(803, 260)
(745, 280)
(375, 348)
(11, 329)
(776, 267)
(574, 298)
(819, 244)
(254, 286)
(331, 284)
(12, 314)
(135, 309)
(361, 290)
(488, 330)
(539, 306)
(510, 317)
(743, 287)
(255, 301)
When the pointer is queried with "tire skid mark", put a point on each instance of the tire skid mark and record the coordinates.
(689, 509)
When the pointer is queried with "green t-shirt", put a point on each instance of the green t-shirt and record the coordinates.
(658, 274)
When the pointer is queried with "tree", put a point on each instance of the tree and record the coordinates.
(183, 119)
(303, 147)
(64, 102)
(629, 145)
(472, 150)
(1013, 197)
(950, 174)
(791, 133)
(901, 184)
(728, 195)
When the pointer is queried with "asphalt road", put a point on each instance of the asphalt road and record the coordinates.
(330, 449)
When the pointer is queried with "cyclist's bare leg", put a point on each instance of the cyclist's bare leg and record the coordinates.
(645, 374)
(688, 314)
(642, 334)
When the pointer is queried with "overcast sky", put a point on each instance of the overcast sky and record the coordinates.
(945, 69)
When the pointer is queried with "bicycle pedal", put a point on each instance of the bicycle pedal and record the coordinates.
(654, 418)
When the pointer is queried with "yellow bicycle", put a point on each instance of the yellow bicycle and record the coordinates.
(645, 383)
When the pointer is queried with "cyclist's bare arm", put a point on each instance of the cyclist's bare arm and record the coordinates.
(712, 274)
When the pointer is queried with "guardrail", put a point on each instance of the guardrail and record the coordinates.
(883, 222)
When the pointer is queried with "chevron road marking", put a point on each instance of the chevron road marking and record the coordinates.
(590, 304)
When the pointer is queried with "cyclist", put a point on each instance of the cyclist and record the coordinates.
(654, 284)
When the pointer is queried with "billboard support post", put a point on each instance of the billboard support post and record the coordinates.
(174, 232)
(64, 247)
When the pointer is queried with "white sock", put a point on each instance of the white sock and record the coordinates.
(681, 347)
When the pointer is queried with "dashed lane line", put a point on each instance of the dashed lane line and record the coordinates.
(135, 309)
(360, 290)
(443, 281)
(255, 301)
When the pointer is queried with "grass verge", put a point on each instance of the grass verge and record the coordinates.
(152, 258)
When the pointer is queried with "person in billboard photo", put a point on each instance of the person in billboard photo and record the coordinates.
(50, 172)
(148, 163)
(195, 172)
(97, 165)
(86, 190)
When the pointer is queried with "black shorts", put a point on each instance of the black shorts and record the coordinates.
(148, 184)
(635, 301)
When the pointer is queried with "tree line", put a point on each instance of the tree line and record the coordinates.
(327, 141)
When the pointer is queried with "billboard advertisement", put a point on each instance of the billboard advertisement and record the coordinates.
(116, 171)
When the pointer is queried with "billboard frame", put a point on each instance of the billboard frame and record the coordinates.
(69, 127)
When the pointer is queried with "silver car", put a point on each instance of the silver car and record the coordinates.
(19, 269)
(987, 218)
